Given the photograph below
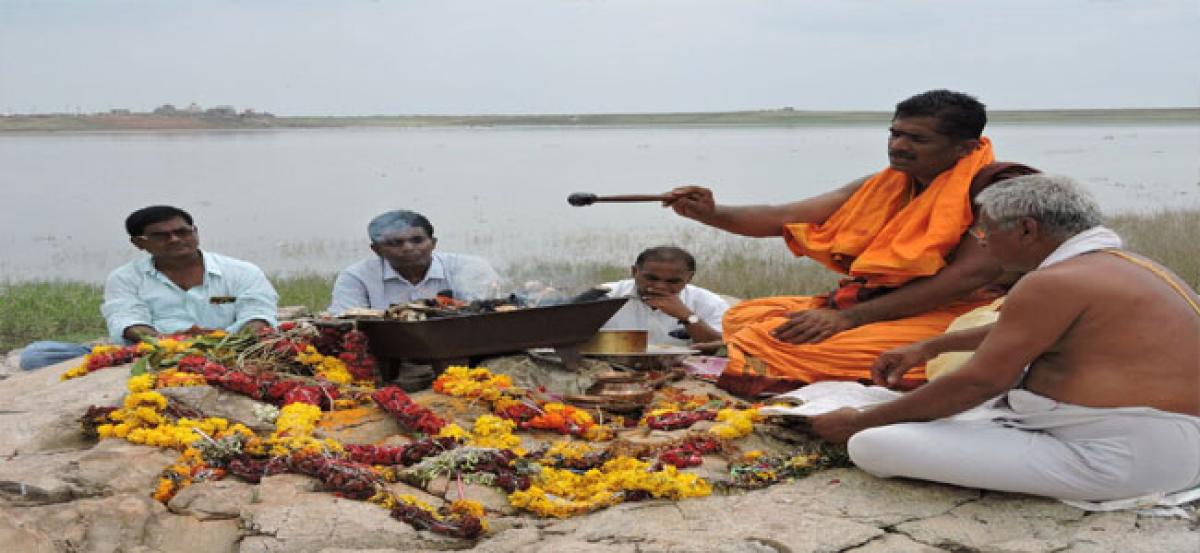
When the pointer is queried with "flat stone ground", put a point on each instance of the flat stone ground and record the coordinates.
(61, 492)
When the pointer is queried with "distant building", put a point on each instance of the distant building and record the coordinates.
(221, 111)
(118, 111)
(194, 108)
(165, 109)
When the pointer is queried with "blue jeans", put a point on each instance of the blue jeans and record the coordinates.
(46, 353)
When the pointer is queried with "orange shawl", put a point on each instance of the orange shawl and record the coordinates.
(879, 235)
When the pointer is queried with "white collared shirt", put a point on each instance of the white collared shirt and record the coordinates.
(233, 293)
(636, 315)
(373, 283)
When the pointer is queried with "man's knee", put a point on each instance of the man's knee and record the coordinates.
(875, 449)
(44, 354)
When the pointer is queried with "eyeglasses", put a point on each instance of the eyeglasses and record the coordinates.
(182, 233)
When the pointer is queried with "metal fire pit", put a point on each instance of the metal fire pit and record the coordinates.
(465, 336)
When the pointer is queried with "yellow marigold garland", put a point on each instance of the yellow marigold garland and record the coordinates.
(489, 431)
(563, 493)
(567, 450)
(171, 378)
(332, 368)
(735, 423)
(478, 383)
(293, 432)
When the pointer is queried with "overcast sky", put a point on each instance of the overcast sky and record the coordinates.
(357, 57)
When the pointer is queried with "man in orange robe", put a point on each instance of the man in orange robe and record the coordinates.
(900, 235)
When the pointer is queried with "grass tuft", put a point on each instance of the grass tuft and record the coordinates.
(1168, 237)
(49, 310)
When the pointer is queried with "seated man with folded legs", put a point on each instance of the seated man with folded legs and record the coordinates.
(1095, 357)
(899, 236)
(177, 287)
(664, 302)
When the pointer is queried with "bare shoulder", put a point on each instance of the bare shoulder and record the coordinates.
(1081, 271)
(1105, 269)
(1104, 276)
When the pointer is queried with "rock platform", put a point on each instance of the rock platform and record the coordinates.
(62, 492)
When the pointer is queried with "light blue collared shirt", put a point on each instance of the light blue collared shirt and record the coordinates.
(138, 294)
(373, 283)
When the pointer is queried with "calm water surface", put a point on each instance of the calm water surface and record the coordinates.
(299, 200)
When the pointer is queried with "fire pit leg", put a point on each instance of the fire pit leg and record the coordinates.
(387, 372)
(570, 356)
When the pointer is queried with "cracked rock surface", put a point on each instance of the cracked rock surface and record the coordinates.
(61, 492)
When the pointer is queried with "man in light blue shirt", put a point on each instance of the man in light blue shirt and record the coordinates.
(405, 268)
(177, 288)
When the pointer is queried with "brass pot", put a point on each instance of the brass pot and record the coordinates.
(616, 341)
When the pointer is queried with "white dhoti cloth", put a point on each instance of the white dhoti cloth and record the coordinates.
(1036, 445)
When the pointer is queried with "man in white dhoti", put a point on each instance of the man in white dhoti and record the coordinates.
(1095, 356)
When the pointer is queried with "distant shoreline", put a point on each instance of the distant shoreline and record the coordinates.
(766, 118)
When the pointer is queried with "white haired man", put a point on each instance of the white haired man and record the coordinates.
(1096, 355)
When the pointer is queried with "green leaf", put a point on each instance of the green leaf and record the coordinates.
(139, 366)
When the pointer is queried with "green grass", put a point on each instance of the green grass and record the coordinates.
(67, 311)
(745, 268)
(1168, 237)
(313, 291)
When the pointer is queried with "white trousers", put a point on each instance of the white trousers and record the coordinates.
(1039, 446)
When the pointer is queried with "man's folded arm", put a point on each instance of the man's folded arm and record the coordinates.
(971, 269)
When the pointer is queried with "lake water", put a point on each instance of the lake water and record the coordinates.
(299, 200)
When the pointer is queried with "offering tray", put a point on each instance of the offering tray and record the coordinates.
(498, 332)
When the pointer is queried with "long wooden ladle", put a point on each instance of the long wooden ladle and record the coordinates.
(580, 199)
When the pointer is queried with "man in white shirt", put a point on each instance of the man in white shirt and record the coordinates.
(664, 303)
(176, 288)
(406, 268)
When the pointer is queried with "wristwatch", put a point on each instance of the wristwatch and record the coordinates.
(690, 320)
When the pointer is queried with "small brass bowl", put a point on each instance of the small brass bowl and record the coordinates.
(620, 377)
(616, 341)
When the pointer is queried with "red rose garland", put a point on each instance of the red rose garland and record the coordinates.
(411, 415)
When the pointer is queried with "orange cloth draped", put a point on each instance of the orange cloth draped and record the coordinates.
(879, 235)
(779, 367)
(882, 236)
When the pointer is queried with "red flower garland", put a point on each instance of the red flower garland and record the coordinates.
(690, 452)
(126, 354)
(408, 454)
(412, 416)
